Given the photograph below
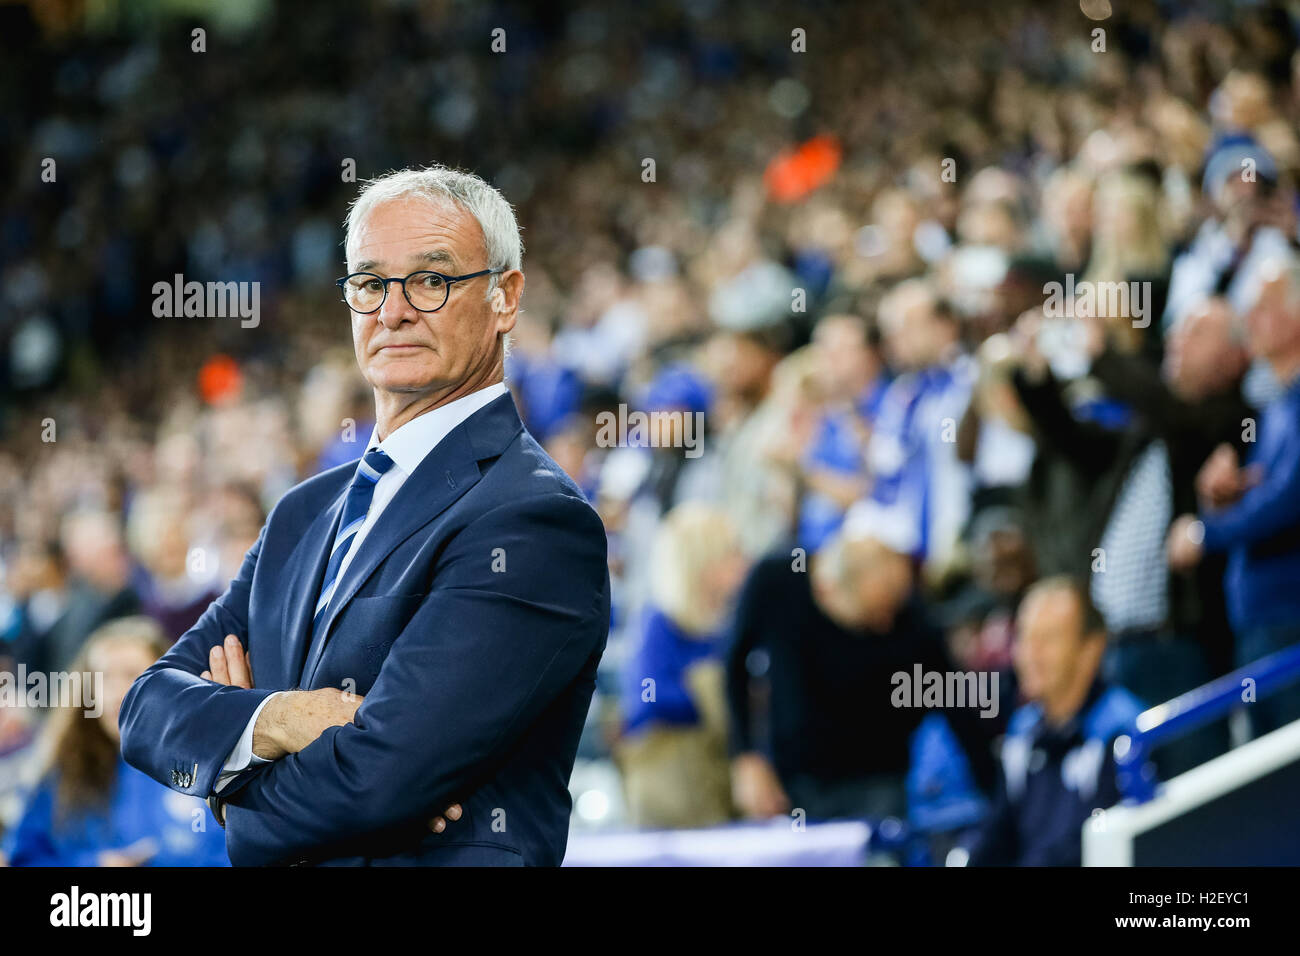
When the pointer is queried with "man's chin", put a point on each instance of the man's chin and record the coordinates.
(402, 376)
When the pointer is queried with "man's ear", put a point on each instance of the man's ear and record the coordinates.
(505, 299)
(1094, 650)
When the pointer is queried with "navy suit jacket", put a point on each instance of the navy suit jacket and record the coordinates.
(472, 618)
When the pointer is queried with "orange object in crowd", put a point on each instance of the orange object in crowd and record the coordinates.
(220, 379)
(794, 173)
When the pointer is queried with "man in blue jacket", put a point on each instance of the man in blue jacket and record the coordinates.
(1252, 513)
(1057, 765)
(425, 623)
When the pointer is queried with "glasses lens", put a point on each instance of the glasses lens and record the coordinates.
(364, 292)
(426, 290)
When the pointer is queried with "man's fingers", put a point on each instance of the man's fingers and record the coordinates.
(206, 675)
(217, 663)
(452, 813)
(235, 663)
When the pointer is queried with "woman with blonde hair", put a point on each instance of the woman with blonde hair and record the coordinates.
(673, 752)
(90, 808)
(1130, 247)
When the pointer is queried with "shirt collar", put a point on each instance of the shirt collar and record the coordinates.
(410, 443)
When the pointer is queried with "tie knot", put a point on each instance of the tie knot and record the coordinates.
(374, 464)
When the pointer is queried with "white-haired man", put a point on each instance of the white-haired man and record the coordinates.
(1251, 512)
(427, 621)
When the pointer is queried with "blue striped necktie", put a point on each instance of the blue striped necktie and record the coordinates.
(360, 494)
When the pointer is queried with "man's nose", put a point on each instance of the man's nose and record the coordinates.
(395, 309)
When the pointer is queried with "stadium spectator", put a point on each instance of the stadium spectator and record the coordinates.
(1138, 467)
(100, 587)
(1057, 767)
(1129, 247)
(1252, 511)
(37, 588)
(91, 808)
(760, 414)
(827, 640)
(1193, 406)
(916, 476)
(177, 583)
(673, 754)
(833, 467)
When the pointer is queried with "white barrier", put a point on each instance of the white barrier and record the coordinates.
(776, 843)
(1109, 838)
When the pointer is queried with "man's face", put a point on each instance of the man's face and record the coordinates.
(845, 358)
(882, 587)
(400, 349)
(1005, 564)
(1237, 197)
(1049, 644)
(912, 335)
(1202, 358)
(742, 364)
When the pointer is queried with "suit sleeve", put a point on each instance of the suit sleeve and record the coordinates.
(177, 727)
(1089, 447)
(484, 655)
(1268, 508)
(1135, 380)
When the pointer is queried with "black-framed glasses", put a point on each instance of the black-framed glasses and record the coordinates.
(426, 291)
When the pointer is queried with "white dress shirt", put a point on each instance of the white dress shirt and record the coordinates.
(407, 446)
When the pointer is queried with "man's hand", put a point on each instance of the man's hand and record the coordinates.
(452, 813)
(755, 787)
(290, 721)
(1221, 481)
(1186, 543)
(1023, 339)
(229, 665)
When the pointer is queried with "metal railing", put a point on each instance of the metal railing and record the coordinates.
(1136, 774)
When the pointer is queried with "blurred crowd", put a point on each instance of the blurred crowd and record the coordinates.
(841, 259)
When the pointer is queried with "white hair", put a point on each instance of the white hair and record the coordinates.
(504, 246)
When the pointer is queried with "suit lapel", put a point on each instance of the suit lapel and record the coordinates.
(312, 554)
(446, 473)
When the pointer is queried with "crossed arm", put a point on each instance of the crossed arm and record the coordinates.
(291, 720)
(482, 657)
